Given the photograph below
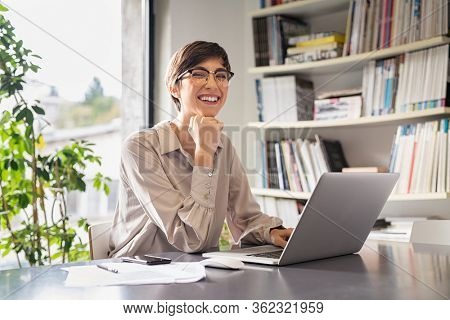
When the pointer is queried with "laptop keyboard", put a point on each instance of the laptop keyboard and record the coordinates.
(272, 255)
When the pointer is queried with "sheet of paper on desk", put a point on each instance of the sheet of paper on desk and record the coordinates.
(134, 274)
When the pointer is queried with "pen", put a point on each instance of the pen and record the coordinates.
(107, 268)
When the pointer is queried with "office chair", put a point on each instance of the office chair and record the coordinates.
(99, 240)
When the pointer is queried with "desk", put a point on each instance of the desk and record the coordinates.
(381, 270)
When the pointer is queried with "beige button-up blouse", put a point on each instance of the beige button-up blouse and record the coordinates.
(166, 203)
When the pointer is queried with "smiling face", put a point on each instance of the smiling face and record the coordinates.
(200, 97)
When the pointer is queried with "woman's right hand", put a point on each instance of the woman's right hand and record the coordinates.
(206, 134)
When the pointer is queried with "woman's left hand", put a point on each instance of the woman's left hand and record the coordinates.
(280, 237)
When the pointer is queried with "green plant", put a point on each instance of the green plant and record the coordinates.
(33, 185)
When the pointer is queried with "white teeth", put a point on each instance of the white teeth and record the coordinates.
(208, 98)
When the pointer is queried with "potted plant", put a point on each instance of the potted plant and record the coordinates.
(34, 185)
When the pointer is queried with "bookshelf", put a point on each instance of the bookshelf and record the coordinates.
(352, 62)
(366, 141)
(303, 9)
(286, 194)
(395, 118)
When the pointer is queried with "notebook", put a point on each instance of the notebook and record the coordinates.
(336, 220)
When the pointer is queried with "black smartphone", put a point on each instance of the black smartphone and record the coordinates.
(147, 259)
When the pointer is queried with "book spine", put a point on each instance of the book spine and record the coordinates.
(259, 100)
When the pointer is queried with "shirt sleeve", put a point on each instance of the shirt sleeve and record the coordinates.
(186, 221)
(246, 221)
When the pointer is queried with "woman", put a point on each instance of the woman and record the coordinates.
(181, 179)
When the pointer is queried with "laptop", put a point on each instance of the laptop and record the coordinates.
(335, 221)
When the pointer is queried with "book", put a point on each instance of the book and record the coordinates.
(292, 41)
(375, 24)
(420, 154)
(336, 38)
(259, 101)
(391, 86)
(285, 98)
(314, 56)
(303, 150)
(338, 108)
(325, 47)
(288, 27)
(335, 155)
(288, 212)
(299, 165)
(272, 175)
(322, 159)
(338, 93)
(270, 37)
(288, 164)
(270, 206)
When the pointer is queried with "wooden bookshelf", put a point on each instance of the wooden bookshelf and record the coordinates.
(395, 118)
(348, 63)
(303, 8)
(286, 194)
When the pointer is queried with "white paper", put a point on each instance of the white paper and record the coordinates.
(134, 274)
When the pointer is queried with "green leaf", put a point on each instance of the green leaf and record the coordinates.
(3, 8)
(21, 114)
(28, 145)
(6, 252)
(28, 131)
(97, 183)
(38, 110)
(56, 255)
(14, 164)
(23, 201)
(106, 189)
(43, 174)
(82, 222)
(34, 68)
(29, 117)
(80, 184)
(6, 116)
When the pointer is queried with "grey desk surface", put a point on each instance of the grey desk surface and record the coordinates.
(381, 270)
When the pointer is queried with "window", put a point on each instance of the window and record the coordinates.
(79, 82)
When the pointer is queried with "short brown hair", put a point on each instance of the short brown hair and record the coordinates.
(189, 56)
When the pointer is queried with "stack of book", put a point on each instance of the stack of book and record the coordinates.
(285, 98)
(297, 165)
(375, 24)
(344, 104)
(270, 37)
(313, 47)
(413, 81)
(421, 154)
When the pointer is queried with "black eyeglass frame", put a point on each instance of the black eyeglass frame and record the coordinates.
(204, 69)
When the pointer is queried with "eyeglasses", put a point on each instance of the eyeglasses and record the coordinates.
(201, 75)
